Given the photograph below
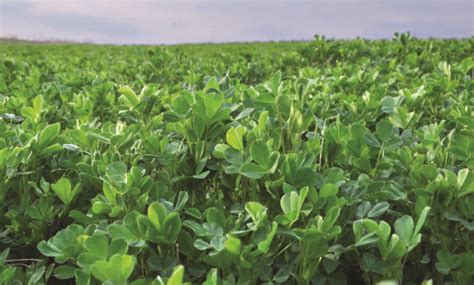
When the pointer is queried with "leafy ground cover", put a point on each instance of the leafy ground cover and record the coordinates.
(327, 162)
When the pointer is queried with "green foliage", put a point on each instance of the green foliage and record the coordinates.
(327, 162)
(64, 191)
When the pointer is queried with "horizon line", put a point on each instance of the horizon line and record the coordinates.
(13, 38)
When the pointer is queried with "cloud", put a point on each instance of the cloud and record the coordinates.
(35, 20)
(164, 21)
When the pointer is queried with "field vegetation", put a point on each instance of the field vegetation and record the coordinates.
(322, 162)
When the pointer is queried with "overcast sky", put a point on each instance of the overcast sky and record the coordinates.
(161, 21)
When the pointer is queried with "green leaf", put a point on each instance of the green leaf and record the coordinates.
(116, 172)
(98, 245)
(388, 104)
(48, 135)
(283, 103)
(330, 218)
(50, 250)
(117, 246)
(218, 244)
(387, 282)
(234, 137)
(172, 227)
(404, 228)
(197, 228)
(177, 276)
(264, 245)
(180, 105)
(212, 104)
(182, 199)
(50, 150)
(282, 275)
(64, 272)
(201, 245)
(253, 171)
(447, 261)
(7, 274)
(215, 215)
(372, 140)
(234, 157)
(256, 211)
(71, 147)
(289, 202)
(36, 276)
(4, 255)
(383, 130)
(363, 209)
(378, 209)
(157, 213)
(305, 176)
(371, 225)
(233, 245)
(128, 96)
(262, 121)
(63, 190)
(38, 104)
(396, 248)
(82, 277)
(290, 169)
(328, 190)
(384, 232)
(421, 220)
(212, 230)
(219, 150)
(367, 239)
(86, 259)
(122, 232)
(260, 153)
(465, 182)
(211, 278)
(117, 270)
(29, 113)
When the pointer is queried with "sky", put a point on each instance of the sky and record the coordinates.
(192, 21)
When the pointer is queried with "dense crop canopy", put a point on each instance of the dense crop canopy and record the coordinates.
(327, 162)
